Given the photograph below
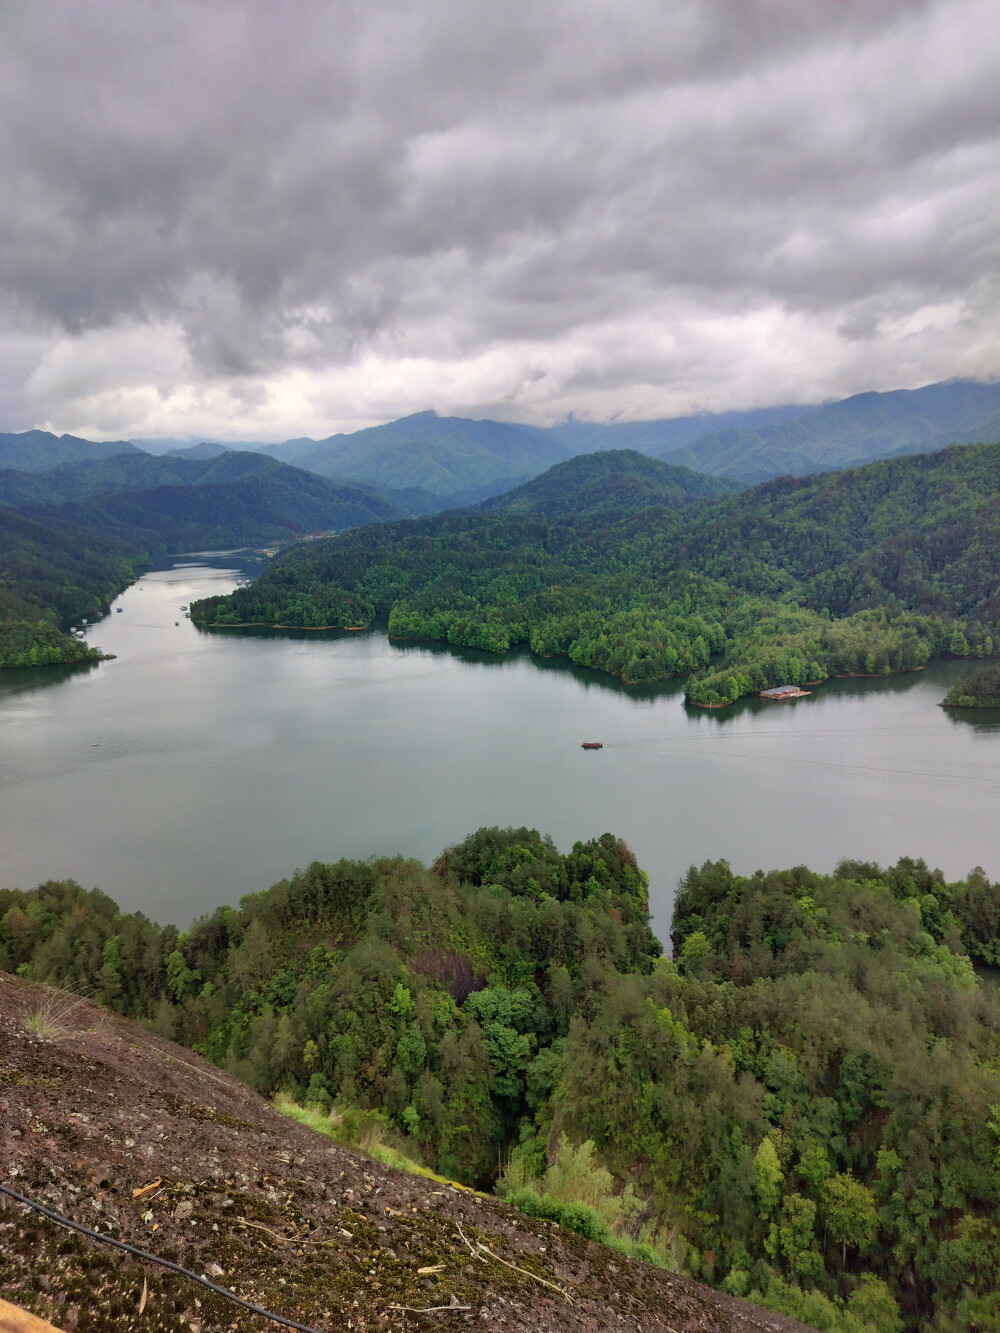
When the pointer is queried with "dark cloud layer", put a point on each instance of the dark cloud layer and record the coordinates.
(223, 215)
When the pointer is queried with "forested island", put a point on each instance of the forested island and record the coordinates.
(866, 571)
(800, 1107)
(980, 691)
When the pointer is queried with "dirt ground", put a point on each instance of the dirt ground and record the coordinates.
(146, 1142)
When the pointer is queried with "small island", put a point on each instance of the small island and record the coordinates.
(979, 691)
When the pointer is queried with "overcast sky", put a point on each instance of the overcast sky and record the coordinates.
(255, 221)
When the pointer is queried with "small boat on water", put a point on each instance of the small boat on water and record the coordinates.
(592, 745)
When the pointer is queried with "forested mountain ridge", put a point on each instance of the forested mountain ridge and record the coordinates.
(849, 432)
(37, 450)
(90, 479)
(289, 492)
(443, 455)
(800, 1107)
(663, 435)
(610, 483)
(872, 570)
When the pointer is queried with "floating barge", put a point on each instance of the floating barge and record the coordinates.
(780, 693)
(592, 745)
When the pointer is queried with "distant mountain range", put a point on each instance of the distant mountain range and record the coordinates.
(854, 431)
(425, 462)
(177, 503)
(37, 450)
(447, 456)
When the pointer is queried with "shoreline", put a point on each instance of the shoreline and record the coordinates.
(691, 703)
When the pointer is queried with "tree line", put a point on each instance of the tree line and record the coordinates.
(802, 1105)
(869, 571)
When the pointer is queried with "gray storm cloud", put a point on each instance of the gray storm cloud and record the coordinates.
(222, 217)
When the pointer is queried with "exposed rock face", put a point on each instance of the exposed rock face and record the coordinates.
(141, 1139)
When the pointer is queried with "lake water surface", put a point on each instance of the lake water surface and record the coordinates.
(198, 767)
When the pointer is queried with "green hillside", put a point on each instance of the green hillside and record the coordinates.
(850, 432)
(240, 513)
(51, 575)
(868, 571)
(612, 482)
(443, 455)
(801, 1107)
(86, 527)
(37, 450)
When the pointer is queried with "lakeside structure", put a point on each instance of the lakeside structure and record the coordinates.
(782, 692)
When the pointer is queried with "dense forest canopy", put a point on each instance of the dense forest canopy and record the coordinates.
(52, 574)
(869, 571)
(803, 1106)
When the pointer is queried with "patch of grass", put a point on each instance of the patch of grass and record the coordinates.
(52, 1018)
(364, 1130)
(576, 1192)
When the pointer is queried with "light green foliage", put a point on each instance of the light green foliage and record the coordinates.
(791, 1241)
(813, 1166)
(849, 1209)
(694, 949)
(873, 1303)
(767, 1177)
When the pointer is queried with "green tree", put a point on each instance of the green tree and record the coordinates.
(849, 1208)
(768, 1177)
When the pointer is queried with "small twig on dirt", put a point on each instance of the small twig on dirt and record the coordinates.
(480, 1250)
(526, 1272)
(472, 1250)
(429, 1309)
(287, 1240)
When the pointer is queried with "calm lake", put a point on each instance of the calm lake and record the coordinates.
(198, 767)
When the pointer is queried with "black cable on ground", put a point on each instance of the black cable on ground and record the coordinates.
(153, 1259)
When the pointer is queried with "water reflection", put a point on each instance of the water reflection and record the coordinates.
(200, 766)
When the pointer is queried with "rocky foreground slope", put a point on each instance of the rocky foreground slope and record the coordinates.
(143, 1141)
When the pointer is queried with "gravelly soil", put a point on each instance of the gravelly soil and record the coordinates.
(98, 1108)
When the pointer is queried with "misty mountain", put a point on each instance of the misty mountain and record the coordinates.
(37, 450)
(655, 437)
(207, 449)
(448, 456)
(850, 432)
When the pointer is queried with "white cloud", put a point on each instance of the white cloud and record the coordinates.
(222, 221)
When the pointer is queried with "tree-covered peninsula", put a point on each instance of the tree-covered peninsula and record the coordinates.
(801, 1106)
(980, 691)
(867, 571)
